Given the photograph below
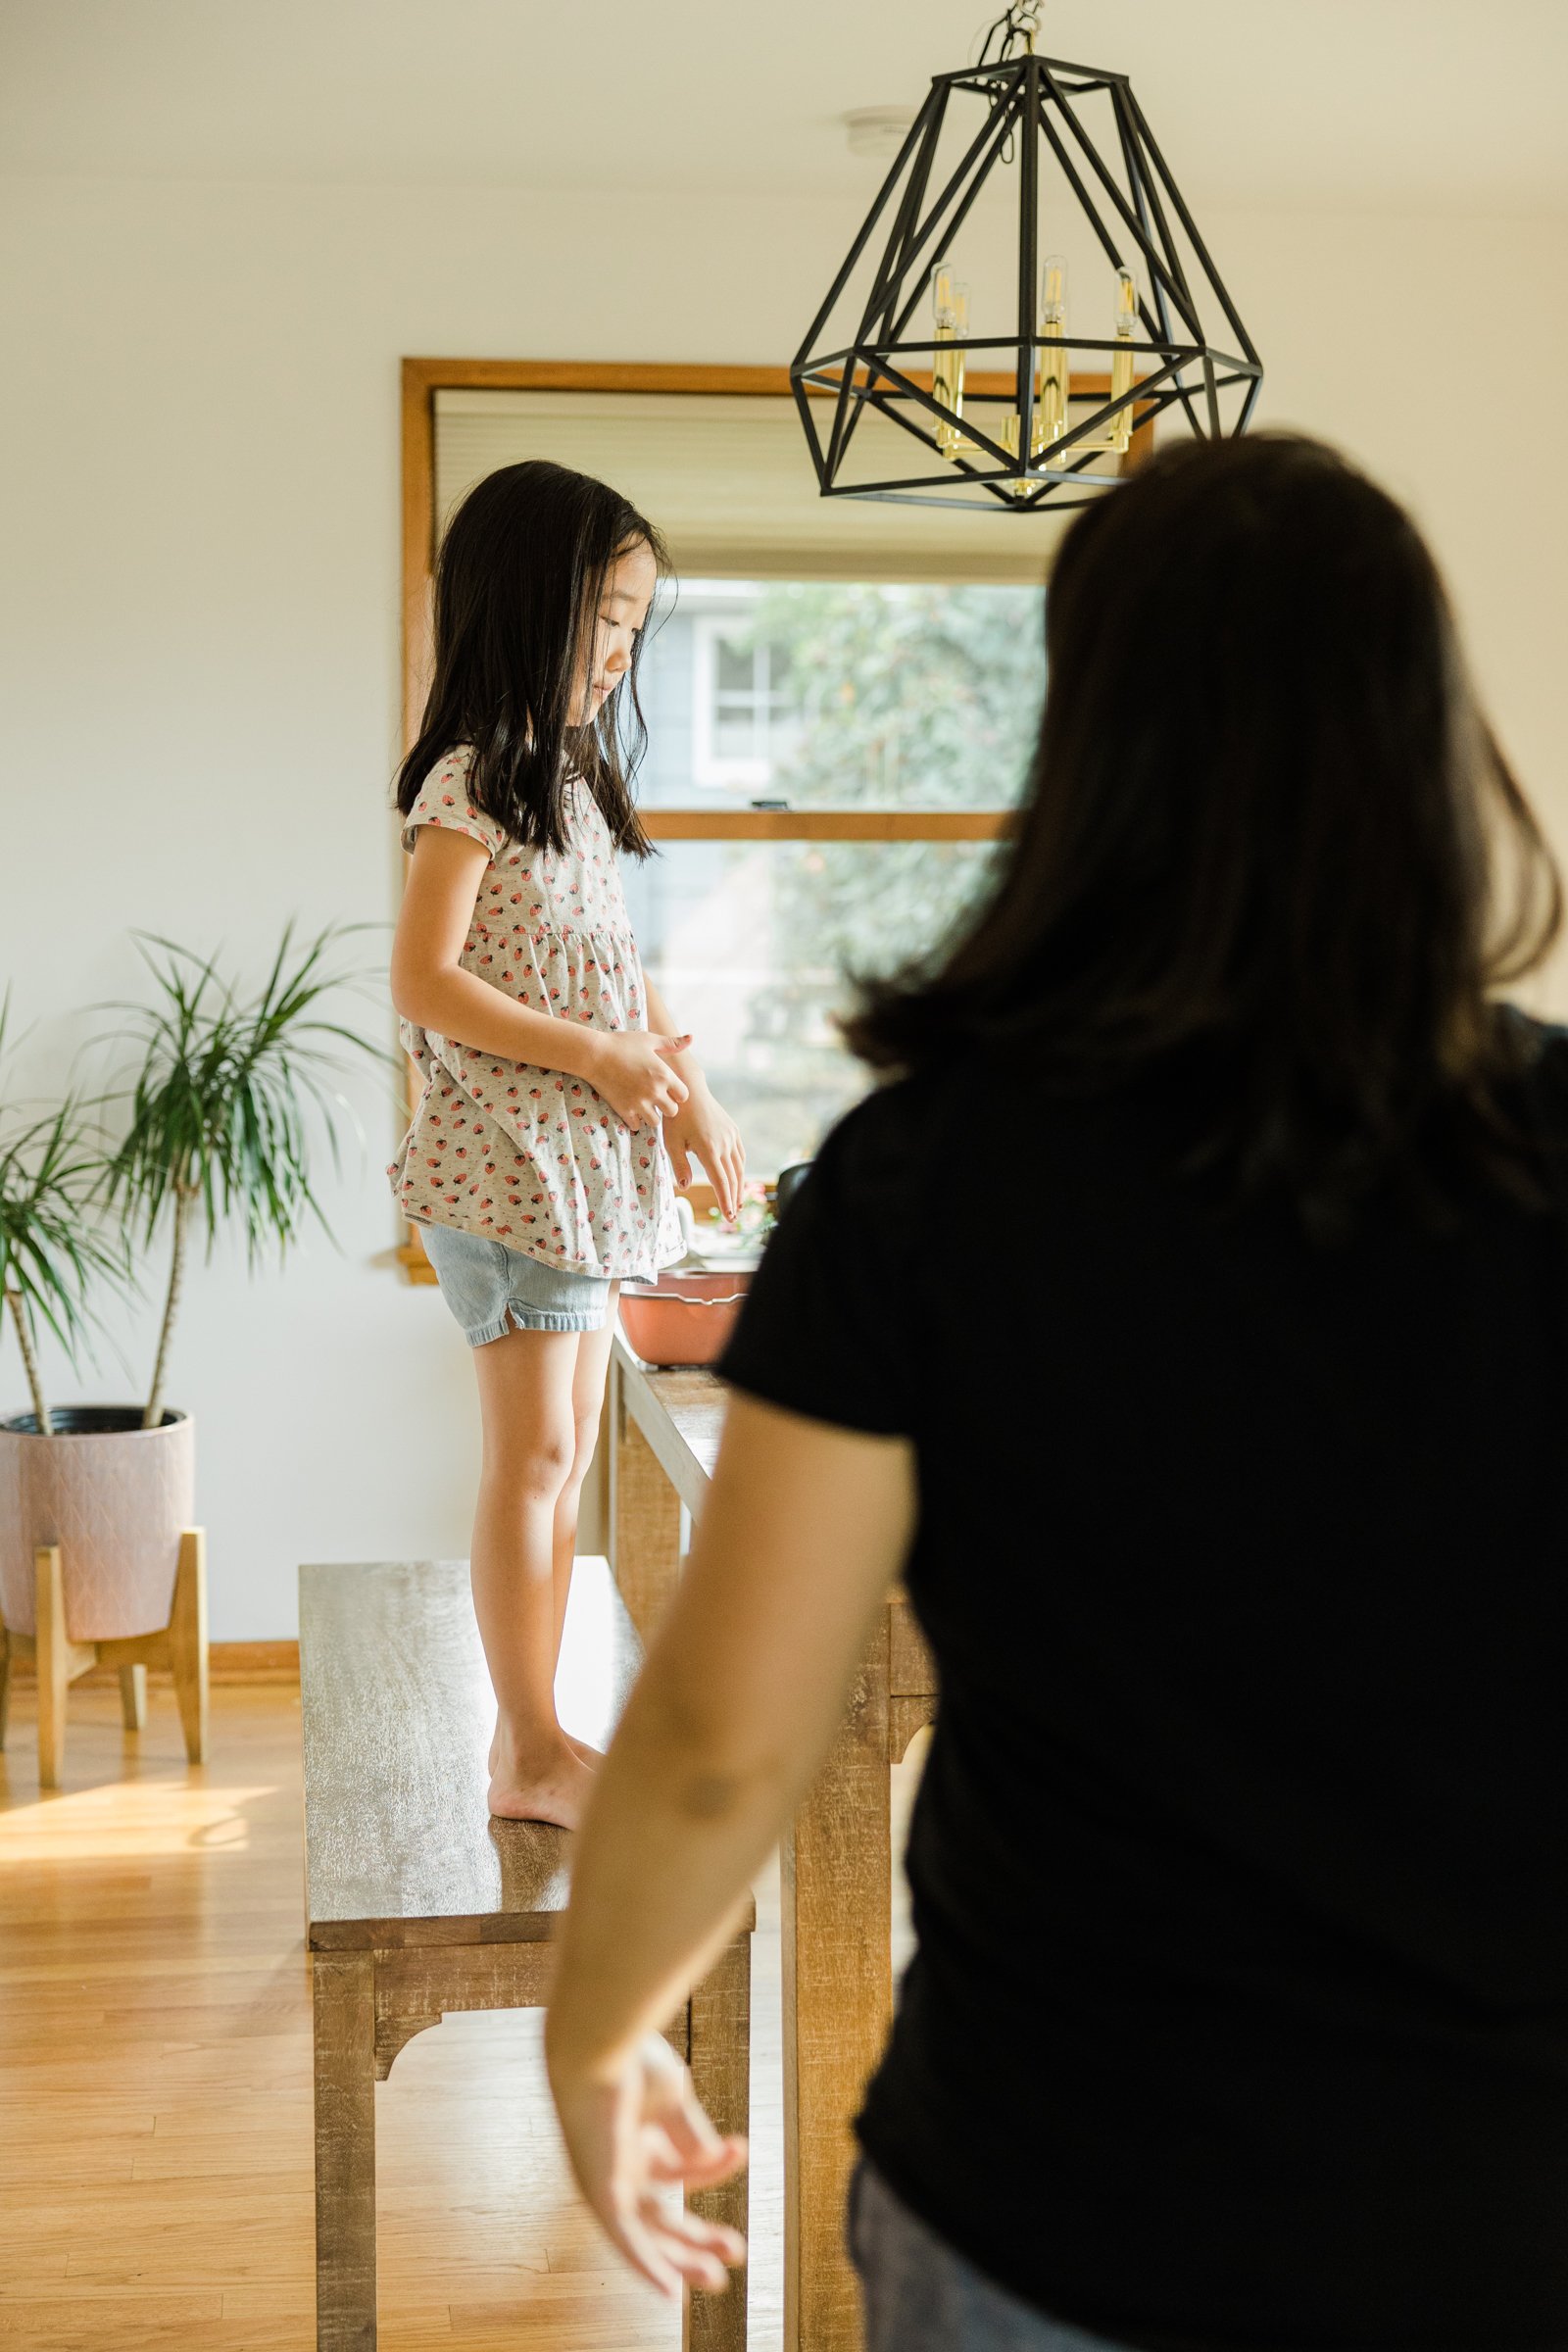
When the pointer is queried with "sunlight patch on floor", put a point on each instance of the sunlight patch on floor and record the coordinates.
(129, 1821)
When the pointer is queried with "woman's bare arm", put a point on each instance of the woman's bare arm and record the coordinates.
(805, 1529)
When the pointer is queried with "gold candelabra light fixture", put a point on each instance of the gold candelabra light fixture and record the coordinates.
(1052, 377)
(992, 419)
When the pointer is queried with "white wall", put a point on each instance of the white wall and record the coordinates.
(197, 648)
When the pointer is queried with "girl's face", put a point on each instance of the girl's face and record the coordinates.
(622, 614)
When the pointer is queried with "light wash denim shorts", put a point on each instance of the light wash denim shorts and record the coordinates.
(493, 1290)
(921, 2296)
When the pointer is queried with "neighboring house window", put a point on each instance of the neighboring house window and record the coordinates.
(858, 709)
(743, 709)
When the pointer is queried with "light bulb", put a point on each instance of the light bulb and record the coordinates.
(950, 304)
(942, 296)
(1016, 485)
(1123, 366)
(1126, 303)
(1054, 387)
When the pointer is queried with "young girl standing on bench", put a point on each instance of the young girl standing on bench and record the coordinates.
(556, 1092)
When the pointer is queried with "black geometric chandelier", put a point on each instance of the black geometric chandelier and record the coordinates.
(1035, 416)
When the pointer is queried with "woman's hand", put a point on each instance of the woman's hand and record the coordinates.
(631, 1069)
(631, 2130)
(704, 1127)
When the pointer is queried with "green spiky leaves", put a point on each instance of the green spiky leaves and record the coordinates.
(54, 1257)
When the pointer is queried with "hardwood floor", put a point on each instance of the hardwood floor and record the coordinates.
(154, 2081)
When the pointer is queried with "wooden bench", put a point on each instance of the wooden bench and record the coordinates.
(420, 1903)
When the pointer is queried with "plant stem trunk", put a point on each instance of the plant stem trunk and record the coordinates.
(183, 1200)
(30, 1365)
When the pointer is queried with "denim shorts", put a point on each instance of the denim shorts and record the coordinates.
(921, 2296)
(493, 1290)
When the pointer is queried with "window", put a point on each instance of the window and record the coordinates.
(843, 696)
(841, 699)
(749, 942)
(743, 705)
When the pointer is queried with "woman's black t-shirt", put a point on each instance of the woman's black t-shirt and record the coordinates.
(1239, 1863)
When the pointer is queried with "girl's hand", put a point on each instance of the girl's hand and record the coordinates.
(702, 1126)
(631, 1069)
(630, 2131)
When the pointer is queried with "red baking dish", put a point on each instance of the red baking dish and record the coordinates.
(681, 1319)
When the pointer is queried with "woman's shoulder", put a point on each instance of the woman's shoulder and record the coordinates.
(877, 1158)
(1539, 1058)
(1545, 1044)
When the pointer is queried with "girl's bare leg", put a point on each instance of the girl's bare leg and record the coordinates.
(527, 1385)
(587, 1405)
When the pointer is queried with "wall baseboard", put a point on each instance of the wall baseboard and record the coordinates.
(227, 1662)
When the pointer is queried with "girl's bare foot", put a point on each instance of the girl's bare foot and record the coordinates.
(590, 1756)
(550, 1784)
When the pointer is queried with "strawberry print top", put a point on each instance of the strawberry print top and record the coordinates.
(534, 1158)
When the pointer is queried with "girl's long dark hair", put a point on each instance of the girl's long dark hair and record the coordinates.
(518, 585)
(1265, 821)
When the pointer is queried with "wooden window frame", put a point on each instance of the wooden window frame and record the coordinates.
(422, 378)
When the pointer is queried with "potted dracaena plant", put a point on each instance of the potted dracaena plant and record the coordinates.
(218, 1106)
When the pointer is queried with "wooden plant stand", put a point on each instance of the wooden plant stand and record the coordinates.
(180, 1646)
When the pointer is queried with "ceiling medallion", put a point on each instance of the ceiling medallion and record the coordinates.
(1037, 416)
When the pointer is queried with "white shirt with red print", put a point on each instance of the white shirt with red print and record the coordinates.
(534, 1158)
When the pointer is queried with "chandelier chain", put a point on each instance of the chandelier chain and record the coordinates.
(1023, 410)
(1017, 28)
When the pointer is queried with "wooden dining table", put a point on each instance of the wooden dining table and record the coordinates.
(836, 1862)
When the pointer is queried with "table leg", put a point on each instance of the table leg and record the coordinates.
(344, 1986)
(837, 1927)
(644, 1521)
(720, 2064)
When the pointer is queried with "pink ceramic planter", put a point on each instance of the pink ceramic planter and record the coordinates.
(116, 1498)
(682, 1318)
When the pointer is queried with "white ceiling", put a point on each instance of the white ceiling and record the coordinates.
(1456, 105)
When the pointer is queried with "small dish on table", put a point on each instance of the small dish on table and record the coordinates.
(684, 1317)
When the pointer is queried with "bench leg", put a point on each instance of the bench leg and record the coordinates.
(344, 1987)
(836, 1880)
(645, 1523)
(720, 2064)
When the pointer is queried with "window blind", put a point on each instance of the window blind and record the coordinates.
(729, 481)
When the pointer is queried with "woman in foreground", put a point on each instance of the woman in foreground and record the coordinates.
(1188, 1323)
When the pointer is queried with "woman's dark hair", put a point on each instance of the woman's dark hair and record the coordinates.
(1265, 820)
(517, 586)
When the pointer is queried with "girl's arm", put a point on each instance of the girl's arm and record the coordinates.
(686, 1061)
(806, 1527)
(702, 1125)
(631, 1069)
